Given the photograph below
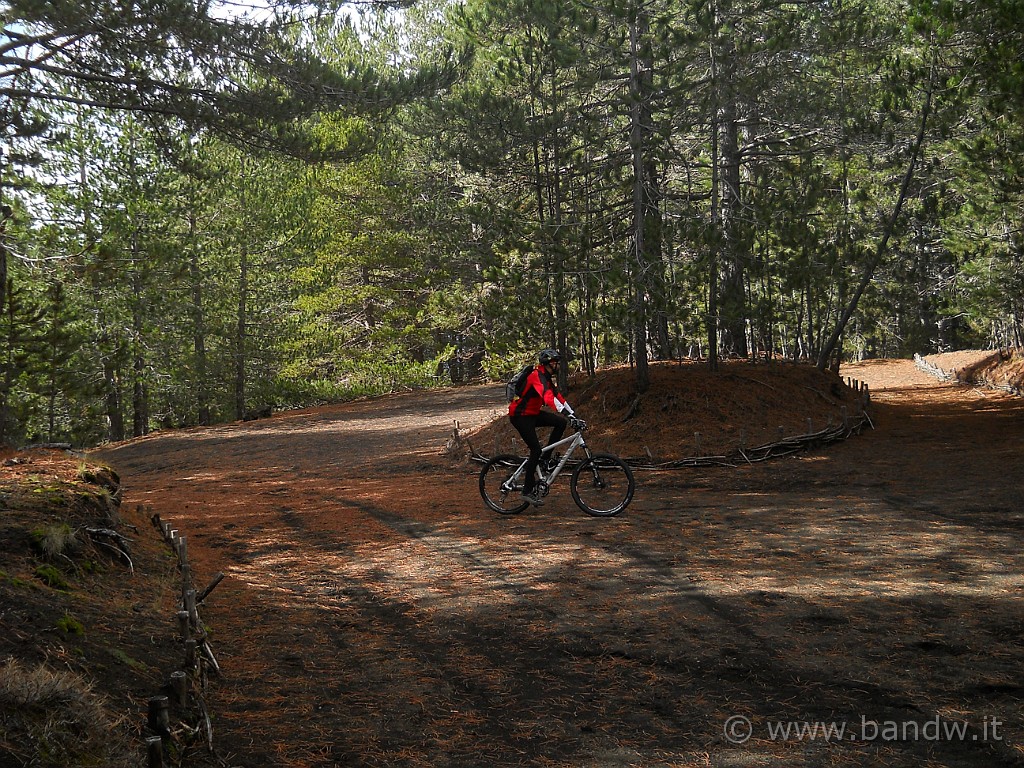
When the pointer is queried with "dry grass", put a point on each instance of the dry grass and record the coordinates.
(55, 540)
(55, 718)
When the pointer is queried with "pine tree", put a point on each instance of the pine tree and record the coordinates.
(19, 344)
(183, 69)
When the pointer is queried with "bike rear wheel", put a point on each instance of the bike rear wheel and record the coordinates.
(602, 485)
(496, 487)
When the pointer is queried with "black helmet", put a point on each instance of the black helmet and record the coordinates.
(549, 356)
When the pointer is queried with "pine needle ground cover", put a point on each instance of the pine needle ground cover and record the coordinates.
(374, 613)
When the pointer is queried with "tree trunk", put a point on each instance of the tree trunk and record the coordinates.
(5, 214)
(8, 369)
(198, 329)
(241, 333)
(558, 250)
(640, 88)
(140, 409)
(115, 417)
(832, 344)
(732, 299)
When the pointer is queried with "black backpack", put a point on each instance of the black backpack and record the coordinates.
(516, 384)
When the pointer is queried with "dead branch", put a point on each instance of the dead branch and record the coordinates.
(112, 540)
(209, 588)
(633, 409)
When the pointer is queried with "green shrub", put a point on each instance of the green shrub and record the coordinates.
(14, 581)
(52, 577)
(69, 625)
(127, 660)
(365, 378)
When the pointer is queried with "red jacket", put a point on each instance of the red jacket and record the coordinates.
(540, 390)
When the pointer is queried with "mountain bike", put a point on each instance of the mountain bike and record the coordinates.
(602, 484)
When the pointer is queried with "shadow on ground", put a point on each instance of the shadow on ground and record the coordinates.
(376, 614)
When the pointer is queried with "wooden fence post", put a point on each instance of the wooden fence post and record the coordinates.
(159, 716)
(190, 606)
(190, 655)
(179, 684)
(154, 752)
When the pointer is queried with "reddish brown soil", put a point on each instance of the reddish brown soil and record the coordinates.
(376, 614)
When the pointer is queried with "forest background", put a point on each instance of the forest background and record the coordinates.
(209, 211)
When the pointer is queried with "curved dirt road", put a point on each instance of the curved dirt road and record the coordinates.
(375, 614)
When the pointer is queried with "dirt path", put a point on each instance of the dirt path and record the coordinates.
(376, 615)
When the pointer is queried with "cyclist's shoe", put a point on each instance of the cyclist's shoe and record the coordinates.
(551, 462)
(533, 497)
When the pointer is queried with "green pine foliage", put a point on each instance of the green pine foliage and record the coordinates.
(314, 207)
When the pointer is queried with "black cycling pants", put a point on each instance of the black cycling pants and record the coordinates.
(527, 427)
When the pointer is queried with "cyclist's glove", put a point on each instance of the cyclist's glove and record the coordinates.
(577, 423)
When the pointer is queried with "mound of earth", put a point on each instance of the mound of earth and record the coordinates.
(690, 411)
(1002, 369)
(86, 607)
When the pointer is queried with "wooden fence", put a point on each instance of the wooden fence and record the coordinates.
(179, 719)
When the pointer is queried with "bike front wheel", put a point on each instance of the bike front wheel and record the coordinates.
(497, 488)
(602, 485)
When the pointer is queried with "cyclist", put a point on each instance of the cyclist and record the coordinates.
(526, 415)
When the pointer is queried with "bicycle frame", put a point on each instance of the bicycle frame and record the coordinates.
(574, 441)
(601, 484)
